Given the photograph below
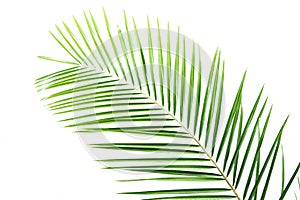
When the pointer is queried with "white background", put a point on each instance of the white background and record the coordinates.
(40, 160)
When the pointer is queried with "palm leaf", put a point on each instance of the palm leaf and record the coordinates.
(109, 95)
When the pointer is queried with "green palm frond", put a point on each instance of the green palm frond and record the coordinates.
(121, 89)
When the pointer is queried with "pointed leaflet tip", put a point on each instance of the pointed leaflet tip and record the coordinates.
(84, 13)
(106, 20)
(118, 27)
(245, 73)
(125, 19)
(134, 24)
